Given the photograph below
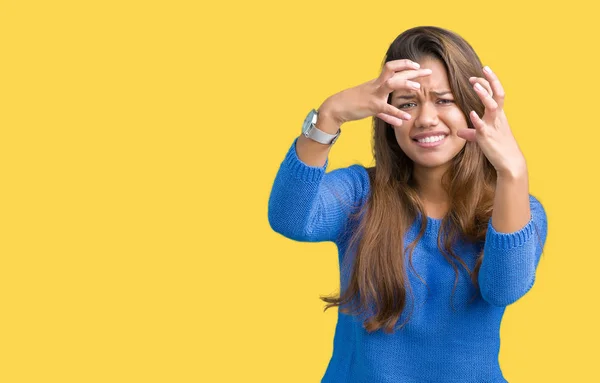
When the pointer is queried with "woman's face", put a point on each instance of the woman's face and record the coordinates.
(429, 137)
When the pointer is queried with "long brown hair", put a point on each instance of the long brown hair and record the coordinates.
(378, 274)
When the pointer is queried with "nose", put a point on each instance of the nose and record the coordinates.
(427, 115)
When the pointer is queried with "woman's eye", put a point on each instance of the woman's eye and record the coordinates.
(443, 101)
(403, 105)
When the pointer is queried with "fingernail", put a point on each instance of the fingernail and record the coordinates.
(487, 69)
(478, 87)
(416, 65)
(414, 85)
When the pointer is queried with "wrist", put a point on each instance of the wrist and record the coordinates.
(329, 111)
(328, 121)
(516, 172)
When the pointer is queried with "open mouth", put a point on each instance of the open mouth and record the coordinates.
(431, 141)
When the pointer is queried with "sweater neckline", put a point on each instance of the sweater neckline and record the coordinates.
(433, 224)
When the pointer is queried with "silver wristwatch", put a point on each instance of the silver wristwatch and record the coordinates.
(311, 131)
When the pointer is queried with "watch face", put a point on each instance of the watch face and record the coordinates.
(309, 120)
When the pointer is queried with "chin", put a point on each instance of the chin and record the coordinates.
(432, 163)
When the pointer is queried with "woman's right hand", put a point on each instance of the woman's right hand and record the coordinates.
(370, 98)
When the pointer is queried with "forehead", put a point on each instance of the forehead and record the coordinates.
(438, 76)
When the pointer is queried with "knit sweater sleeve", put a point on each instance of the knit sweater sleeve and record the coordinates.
(510, 260)
(307, 204)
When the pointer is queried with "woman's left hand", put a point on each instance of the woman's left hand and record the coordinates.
(492, 132)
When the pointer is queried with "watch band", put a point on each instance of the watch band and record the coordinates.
(320, 136)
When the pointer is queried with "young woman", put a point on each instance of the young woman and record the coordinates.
(436, 239)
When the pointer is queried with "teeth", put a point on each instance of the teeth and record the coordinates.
(431, 139)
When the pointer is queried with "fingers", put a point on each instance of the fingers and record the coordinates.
(491, 106)
(467, 134)
(492, 85)
(389, 119)
(478, 123)
(483, 82)
(402, 80)
(394, 66)
(496, 86)
(415, 73)
(393, 115)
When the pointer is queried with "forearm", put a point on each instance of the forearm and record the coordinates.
(511, 201)
(514, 241)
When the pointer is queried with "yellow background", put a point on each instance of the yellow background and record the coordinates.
(139, 142)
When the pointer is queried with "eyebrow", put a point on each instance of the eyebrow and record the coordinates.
(412, 96)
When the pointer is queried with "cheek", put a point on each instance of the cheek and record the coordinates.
(404, 141)
(401, 134)
(454, 119)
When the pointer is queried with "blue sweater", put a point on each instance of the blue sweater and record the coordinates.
(443, 341)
